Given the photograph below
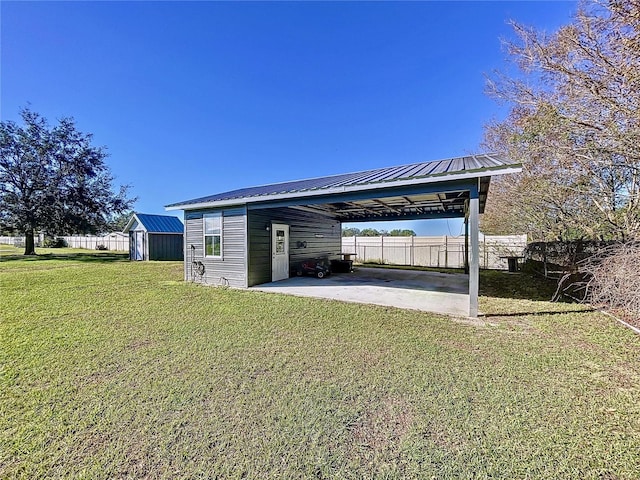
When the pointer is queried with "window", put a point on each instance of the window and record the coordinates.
(280, 242)
(212, 234)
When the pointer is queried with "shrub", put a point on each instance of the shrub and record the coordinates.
(55, 242)
(560, 257)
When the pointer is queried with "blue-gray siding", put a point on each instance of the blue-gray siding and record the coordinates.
(231, 268)
(246, 244)
(163, 246)
(321, 235)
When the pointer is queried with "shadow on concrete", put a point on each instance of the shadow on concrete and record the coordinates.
(410, 289)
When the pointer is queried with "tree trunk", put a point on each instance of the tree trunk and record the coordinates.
(29, 243)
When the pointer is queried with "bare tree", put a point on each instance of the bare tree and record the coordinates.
(574, 124)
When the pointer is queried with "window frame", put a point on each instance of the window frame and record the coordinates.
(212, 235)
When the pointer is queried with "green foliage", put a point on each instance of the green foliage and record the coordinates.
(143, 375)
(402, 233)
(350, 232)
(372, 232)
(54, 242)
(117, 223)
(53, 179)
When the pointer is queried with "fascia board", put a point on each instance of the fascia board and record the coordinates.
(130, 223)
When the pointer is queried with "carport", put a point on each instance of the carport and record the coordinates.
(252, 236)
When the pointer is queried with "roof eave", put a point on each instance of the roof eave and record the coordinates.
(446, 177)
(130, 223)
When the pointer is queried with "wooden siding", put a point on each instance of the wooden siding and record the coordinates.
(163, 246)
(304, 227)
(230, 270)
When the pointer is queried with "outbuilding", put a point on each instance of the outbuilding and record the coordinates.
(255, 235)
(155, 237)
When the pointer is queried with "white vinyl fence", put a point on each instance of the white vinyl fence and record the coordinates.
(114, 241)
(441, 251)
(111, 242)
(19, 241)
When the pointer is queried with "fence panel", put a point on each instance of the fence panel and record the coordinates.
(114, 242)
(436, 251)
(110, 242)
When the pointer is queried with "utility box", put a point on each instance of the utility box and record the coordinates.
(341, 266)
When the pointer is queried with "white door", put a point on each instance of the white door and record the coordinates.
(279, 252)
(138, 245)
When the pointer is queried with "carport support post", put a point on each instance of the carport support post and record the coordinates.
(466, 237)
(474, 264)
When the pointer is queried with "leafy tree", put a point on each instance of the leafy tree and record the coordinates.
(402, 233)
(575, 127)
(53, 179)
(350, 232)
(369, 232)
(117, 222)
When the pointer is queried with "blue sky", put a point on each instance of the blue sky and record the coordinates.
(196, 98)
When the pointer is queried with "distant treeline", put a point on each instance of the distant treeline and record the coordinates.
(372, 232)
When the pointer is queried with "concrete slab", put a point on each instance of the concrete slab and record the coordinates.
(411, 289)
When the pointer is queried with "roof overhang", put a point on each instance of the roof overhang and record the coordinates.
(382, 187)
(131, 222)
(437, 189)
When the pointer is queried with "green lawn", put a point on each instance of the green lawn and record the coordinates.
(112, 369)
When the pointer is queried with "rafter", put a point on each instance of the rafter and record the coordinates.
(393, 209)
(442, 204)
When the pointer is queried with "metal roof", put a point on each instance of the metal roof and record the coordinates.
(373, 181)
(157, 223)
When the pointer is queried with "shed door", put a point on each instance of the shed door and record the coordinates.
(279, 252)
(137, 245)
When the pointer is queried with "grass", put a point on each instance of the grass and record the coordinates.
(112, 369)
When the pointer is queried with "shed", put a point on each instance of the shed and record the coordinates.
(155, 237)
(254, 235)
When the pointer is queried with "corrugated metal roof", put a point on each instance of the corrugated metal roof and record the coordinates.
(384, 177)
(160, 223)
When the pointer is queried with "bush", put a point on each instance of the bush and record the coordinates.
(55, 242)
(614, 278)
(101, 246)
(561, 257)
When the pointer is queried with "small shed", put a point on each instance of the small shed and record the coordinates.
(155, 237)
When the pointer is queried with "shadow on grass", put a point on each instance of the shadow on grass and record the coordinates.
(89, 257)
(498, 283)
(518, 286)
(539, 313)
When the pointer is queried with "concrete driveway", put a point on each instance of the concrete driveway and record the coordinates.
(411, 289)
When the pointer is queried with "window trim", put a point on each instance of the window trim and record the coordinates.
(205, 234)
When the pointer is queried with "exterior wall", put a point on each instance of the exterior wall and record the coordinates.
(232, 267)
(165, 246)
(321, 234)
